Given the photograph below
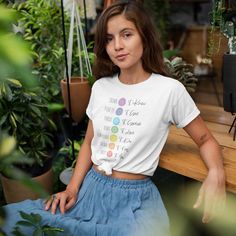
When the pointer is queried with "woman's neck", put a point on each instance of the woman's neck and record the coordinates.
(133, 77)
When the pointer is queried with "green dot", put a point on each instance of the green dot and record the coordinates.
(114, 129)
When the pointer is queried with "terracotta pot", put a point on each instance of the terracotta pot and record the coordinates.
(14, 191)
(80, 91)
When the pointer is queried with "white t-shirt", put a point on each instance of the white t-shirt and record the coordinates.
(131, 122)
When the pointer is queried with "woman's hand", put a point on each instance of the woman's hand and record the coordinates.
(212, 195)
(65, 200)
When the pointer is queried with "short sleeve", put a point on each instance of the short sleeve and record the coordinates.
(184, 110)
(89, 110)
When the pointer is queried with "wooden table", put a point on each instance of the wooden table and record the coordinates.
(181, 154)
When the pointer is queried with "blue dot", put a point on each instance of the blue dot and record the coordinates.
(116, 121)
(119, 111)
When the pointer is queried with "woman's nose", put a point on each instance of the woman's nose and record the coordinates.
(118, 45)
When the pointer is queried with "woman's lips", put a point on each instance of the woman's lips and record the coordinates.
(121, 57)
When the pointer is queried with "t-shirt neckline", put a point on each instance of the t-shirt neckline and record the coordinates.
(116, 78)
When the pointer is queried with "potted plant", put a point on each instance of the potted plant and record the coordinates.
(76, 89)
(15, 63)
(183, 72)
(23, 114)
(223, 17)
(39, 23)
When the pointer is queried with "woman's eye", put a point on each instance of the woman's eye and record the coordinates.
(127, 35)
(108, 39)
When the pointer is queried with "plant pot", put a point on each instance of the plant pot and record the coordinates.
(229, 82)
(65, 175)
(80, 91)
(14, 191)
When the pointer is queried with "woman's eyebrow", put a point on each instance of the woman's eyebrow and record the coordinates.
(122, 30)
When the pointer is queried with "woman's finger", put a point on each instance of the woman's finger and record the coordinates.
(48, 203)
(219, 206)
(63, 203)
(55, 201)
(209, 205)
(70, 203)
(199, 199)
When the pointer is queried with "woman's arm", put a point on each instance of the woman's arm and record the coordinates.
(212, 192)
(66, 199)
(83, 163)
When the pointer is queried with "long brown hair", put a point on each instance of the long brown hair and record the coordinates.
(152, 58)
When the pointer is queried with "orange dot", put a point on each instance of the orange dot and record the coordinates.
(111, 145)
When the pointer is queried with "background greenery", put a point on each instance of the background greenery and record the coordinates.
(223, 19)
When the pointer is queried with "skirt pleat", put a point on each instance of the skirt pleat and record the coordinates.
(105, 207)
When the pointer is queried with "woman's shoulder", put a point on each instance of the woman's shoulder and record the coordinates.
(101, 82)
(168, 82)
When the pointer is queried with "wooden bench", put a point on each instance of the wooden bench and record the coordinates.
(181, 154)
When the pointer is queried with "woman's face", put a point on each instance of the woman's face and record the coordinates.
(124, 44)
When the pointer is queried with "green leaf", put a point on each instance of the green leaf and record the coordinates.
(15, 82)
(12, 121)
(35, 110)
(9, 44)
(53, 107)
(170, 53)
(176, 61)
(29, 217)
(16, 231)
(47, 229)
(52, 124)
(35, 72)
(3, 119)
(3, 89)
(7, 15)
(25, 223)
(7, 145)
(38, 232)
(17, 117)
(77, 146)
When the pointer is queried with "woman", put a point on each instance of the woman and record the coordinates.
(132, 105)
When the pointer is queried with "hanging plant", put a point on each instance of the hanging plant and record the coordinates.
(223, 19)
(76, 89)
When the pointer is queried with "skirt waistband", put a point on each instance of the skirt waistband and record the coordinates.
(123, 183)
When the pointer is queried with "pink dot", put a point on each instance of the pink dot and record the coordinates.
(122, 101)
(109, 153)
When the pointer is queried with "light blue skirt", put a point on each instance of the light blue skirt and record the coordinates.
(105, 207)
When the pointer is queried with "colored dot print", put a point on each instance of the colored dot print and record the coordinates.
(114, 129)
(111, 145)
(122, 102)
(116, 121)
(119, 111)
(109, 153)
(113, 138)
